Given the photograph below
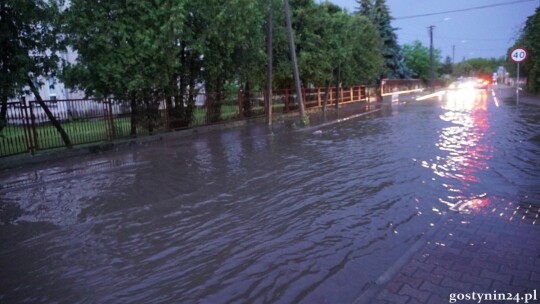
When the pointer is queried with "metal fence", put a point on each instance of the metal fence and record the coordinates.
(28, 129)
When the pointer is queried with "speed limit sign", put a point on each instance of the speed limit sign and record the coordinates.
(518, 55)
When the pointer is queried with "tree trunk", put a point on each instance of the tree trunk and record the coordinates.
(180, 86)
(169, 111)
(183, 74)
(247, 101)
(3, 114)
(269, 38)
(134, 113)
(191, 88)
(49, 114)
(217, 100)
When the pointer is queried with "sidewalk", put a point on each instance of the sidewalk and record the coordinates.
(524, 97)
(527, 98)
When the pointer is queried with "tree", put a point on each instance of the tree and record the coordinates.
(464, 69)
(230, 36)
(29, 35)
(530, 39)
(446, 68)
(327, 37)
(308, 25)
(362, 63)
(128, 51)
(391, 50)
(480, 67)
(365, 7)
(172, 48)
(416, 58)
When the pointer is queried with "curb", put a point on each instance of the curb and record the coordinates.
(19, 160)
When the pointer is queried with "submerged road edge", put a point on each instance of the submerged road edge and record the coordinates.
(373, 290)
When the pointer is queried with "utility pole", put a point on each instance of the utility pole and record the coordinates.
(294, 62)
(453, 59)
(431, 72)
(269, 71)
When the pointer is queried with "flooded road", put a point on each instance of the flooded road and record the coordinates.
(248, 215)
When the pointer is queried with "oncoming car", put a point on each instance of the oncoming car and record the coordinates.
(470, 83)
(482, 83)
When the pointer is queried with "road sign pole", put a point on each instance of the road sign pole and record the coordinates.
(517, 84)
(518, 55)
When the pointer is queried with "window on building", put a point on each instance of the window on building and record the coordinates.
(52, 88)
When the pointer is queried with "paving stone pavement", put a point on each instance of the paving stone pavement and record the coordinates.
(482, 253)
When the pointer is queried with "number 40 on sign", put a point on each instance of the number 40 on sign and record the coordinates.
(518, 55)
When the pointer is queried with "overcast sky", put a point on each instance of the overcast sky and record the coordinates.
(483, 32)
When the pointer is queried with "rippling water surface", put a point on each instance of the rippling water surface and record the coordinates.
(249, 216)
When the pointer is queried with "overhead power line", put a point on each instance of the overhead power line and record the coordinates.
(463, 9)
(455, 38)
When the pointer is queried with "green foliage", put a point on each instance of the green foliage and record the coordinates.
(363, 63)
(230, 34)
(123, 48)
(365, 7)
(140, 49)
(28, 36)
(326, 38)
(379, 14)
(416, 57)
(530, 39)
(446, 67)
(128, 50)
(305, 121)
(483, 67)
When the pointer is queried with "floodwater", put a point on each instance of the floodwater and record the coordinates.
(248, 215)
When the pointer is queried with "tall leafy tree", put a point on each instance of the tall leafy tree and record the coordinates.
(531, 41)
(229, 31)
(29, 36)
(463, 68)
(313, 42)
(380, 16)
(363, 63)
(446, 67)
(310, 24)
(365, 7)
(327, 37)
(416, 58)
(126, 50)
(481, 67)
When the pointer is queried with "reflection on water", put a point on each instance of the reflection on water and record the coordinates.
(249, 215)
(30, 192)
(466, 147)
(469, 143)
